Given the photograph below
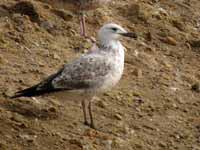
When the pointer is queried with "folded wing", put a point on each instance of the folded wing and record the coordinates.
(84, 73)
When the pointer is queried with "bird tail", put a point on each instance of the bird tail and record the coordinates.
(40, 88)
(27, 92)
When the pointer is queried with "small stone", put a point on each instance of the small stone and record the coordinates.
(169, 40)
(118, 116)
(174, 105)
(162, 11)
(3, 60)
(102, 104)
(180, 100)
(149, 36)
(179, 25)
(47, 25)
(196, 87)
(162, 144)
(52, 109)
(64, 14)
(1, 109)
(137, 72)
(28, 138)
(76, 142)
(8, 93)
(108, 144)
(3, 11)
(118, 142)
(55, 56)
(16, 117)
(91, 133)
(41, 64)
(92, 39)
(195, 43)
(3, 145)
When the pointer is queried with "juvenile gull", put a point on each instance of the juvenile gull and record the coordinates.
(91, 74)
(81, 6)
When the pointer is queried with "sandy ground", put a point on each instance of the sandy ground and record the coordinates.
(156, 105)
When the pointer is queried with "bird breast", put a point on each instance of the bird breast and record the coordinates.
(117, 59)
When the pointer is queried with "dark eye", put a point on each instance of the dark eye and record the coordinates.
(114, 29)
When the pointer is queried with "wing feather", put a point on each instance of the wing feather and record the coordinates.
(86, 72)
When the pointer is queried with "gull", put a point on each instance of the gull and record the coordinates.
(91, 74)
(80, 6)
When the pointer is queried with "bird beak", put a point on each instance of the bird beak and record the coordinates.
(129, 34)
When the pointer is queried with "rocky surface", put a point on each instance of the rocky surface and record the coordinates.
(156, 105)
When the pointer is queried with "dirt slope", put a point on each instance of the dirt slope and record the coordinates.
(156, 105)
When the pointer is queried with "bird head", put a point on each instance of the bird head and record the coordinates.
(113, 32)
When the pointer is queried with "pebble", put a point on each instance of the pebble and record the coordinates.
(102, 104)
(52, 109)
(91, 133)
(118, 116)
(41, 64)
(76, 142)
(137, 72)
(162, 11)
(18, 118)
(196, 87)
(118, 142)
(55, 56)
(180, 100)
(194, 43)
(28, 138)
(8, 93)
(179, 25)
(47, 25)
(108, 144)
(3, 60)
(169, 40)
(162, 144)
(64, 14)
(3, 11)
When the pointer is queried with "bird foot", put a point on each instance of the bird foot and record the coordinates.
(90, 38)
(92, 126)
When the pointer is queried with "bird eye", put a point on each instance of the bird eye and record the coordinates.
(114, 29)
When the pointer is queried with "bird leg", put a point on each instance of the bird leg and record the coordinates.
(84, 112)
(82, 24)
(91, 116)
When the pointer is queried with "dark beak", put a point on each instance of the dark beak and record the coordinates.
(129, 34)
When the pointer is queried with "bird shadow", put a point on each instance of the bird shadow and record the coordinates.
(32, 110)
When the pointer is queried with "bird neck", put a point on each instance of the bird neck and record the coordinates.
(109, 44)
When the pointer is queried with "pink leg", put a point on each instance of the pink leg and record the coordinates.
(82, 25)
(84, 113)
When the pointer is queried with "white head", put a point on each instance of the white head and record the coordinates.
(112, 32)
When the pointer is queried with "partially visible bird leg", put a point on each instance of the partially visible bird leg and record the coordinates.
(91, 116)
(82, 24)
(84, 112)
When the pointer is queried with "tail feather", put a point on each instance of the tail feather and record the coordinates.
(27, 92)
(40, 88)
